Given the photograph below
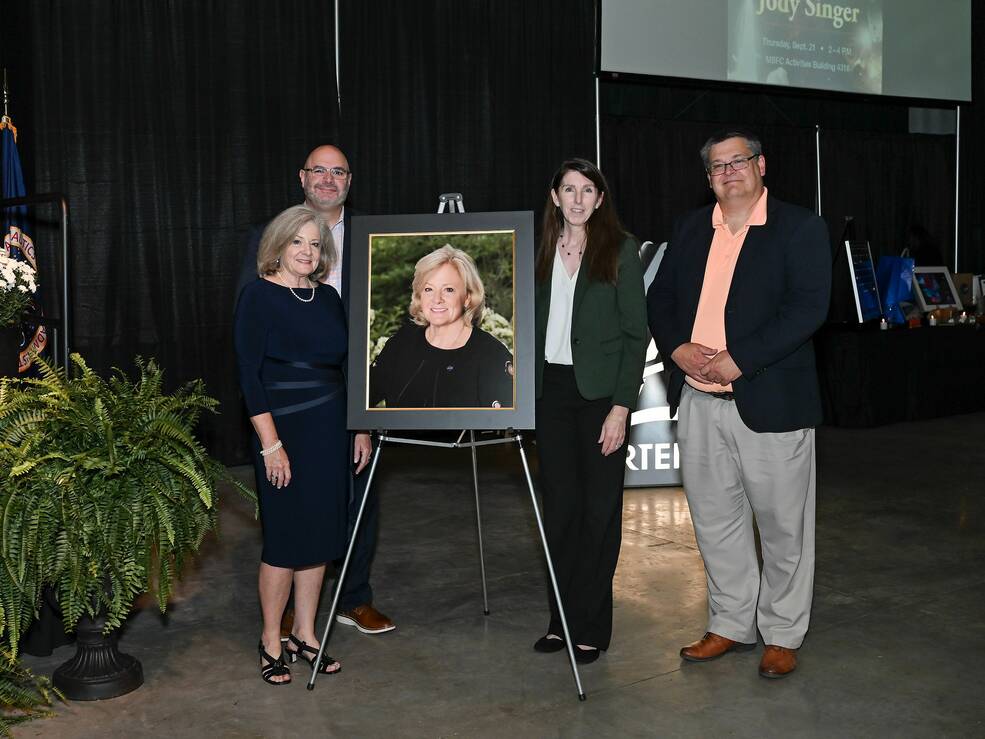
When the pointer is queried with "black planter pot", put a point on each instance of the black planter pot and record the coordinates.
(98, 670)
(47, 632)
(10, 347)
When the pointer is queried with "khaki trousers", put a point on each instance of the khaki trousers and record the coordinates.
(732, 474)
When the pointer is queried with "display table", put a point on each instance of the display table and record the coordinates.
(872, 377)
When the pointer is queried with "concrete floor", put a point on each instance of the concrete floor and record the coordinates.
(895, 648)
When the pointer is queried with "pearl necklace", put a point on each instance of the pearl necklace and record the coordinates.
(298, 297)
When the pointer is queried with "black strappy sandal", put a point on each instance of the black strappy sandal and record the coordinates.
(327, 663)
(273, 668)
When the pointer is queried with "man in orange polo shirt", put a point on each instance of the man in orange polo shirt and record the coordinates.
(743, 286)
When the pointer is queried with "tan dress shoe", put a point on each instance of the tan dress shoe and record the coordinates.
(712, 646)
(365, 618)
(777, 661)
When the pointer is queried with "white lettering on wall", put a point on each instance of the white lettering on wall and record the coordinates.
(659, 456)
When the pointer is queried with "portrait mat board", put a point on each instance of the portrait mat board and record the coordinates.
(384, 251)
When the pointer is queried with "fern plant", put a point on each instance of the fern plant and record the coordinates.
(104, 489)
(23, 695)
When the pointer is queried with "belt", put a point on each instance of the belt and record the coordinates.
(333, 371)
(325, 375)
(307, 405)
(722, 396)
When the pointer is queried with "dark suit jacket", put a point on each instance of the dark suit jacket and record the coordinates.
(608, 331)
(779, 297)
(248, 271)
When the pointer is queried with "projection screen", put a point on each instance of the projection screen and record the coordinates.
(901, 48)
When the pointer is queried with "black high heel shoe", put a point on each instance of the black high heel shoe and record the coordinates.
(587, 656)
(273, 668)
(547, 645)
(327, 663)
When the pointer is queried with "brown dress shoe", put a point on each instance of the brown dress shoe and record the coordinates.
(365, 618)
(712, 646)
(777, 661)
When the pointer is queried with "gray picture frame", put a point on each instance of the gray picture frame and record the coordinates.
(366, 230)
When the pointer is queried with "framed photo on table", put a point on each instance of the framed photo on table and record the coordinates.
(933, 289)
(441, 324)
(865, 287)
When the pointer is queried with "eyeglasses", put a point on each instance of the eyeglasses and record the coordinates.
(737, 165)
(336, 172)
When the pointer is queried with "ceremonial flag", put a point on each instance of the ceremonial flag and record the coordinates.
(17, 241)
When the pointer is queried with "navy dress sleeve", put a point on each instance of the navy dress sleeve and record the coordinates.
(250, 329)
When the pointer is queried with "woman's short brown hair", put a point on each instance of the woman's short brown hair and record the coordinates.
(282, 230)
(475, 293)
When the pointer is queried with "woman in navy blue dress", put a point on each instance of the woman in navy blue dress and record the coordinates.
(291, 342)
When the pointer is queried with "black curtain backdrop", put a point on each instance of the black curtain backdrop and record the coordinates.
(656, 173)
(483, 98)
(872, 168)
(889, 182)
(172, 125)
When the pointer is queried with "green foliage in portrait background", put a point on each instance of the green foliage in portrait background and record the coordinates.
(392, 273)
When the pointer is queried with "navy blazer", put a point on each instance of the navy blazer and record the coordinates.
(779, 297)
(248, 271)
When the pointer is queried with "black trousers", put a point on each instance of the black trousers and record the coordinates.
(582, 498)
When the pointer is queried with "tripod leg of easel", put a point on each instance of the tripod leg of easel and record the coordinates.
(345, 566)
(478, 525)
(550, 569)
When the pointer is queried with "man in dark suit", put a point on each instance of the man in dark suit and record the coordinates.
(742, 288)
(325, 180)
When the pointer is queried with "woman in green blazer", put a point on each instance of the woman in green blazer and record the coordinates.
(590, 344)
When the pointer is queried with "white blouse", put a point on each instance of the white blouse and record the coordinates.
(557, 347)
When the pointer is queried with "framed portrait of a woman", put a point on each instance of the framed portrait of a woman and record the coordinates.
(441, 321)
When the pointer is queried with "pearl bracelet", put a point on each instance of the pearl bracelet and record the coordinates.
(271, 449)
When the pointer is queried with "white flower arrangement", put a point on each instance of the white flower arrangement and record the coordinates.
(374, 351)
(495, 324)
(17, 285)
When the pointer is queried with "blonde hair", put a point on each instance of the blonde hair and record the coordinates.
(282, 230)
(475, 293)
